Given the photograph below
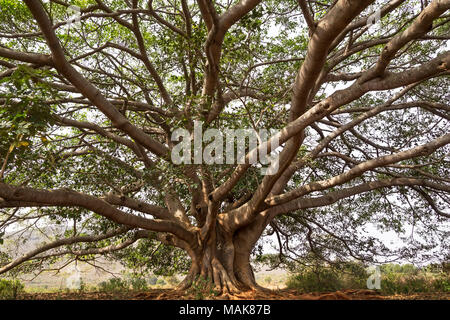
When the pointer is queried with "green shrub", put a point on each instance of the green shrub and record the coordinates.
(401, 283)
(315, 280)
(161, 282)
(113, 285)
(83, 286)
(202, 288)
(399, 268)
(138, 283)
(9, 289)
(397, 283)
(173, 281)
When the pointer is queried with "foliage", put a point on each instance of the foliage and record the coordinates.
(150, 255)
(173, 280)
(138, 283)
(160, 282)
(407, 268)
(202, 288)
(10, 289)
(407, 278)
(134, 282)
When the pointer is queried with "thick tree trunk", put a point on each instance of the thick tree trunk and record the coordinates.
(222, 264)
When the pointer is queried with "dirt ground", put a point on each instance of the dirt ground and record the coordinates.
(170, 294)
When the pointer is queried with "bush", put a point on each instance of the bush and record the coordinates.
(321, 278)
(133, 282)
(82, 286)
(202, 289)
(9, 289)
(173, 281)
(152, 281)
(161, 282)
(268, 279)
(315, 280)
(395, 279)
(138, 284)
(442, 283)
(113, 285)
(399, 268)
(398, 283)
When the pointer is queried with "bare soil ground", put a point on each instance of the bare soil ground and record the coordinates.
(170, 294)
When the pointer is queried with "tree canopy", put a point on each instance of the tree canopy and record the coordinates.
(91, 92)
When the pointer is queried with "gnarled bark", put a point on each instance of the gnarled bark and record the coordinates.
(223, 262)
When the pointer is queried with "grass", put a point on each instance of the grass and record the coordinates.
(272, 280)
(395, 280)
(397, 283)
(324, 280)
(10, 289)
